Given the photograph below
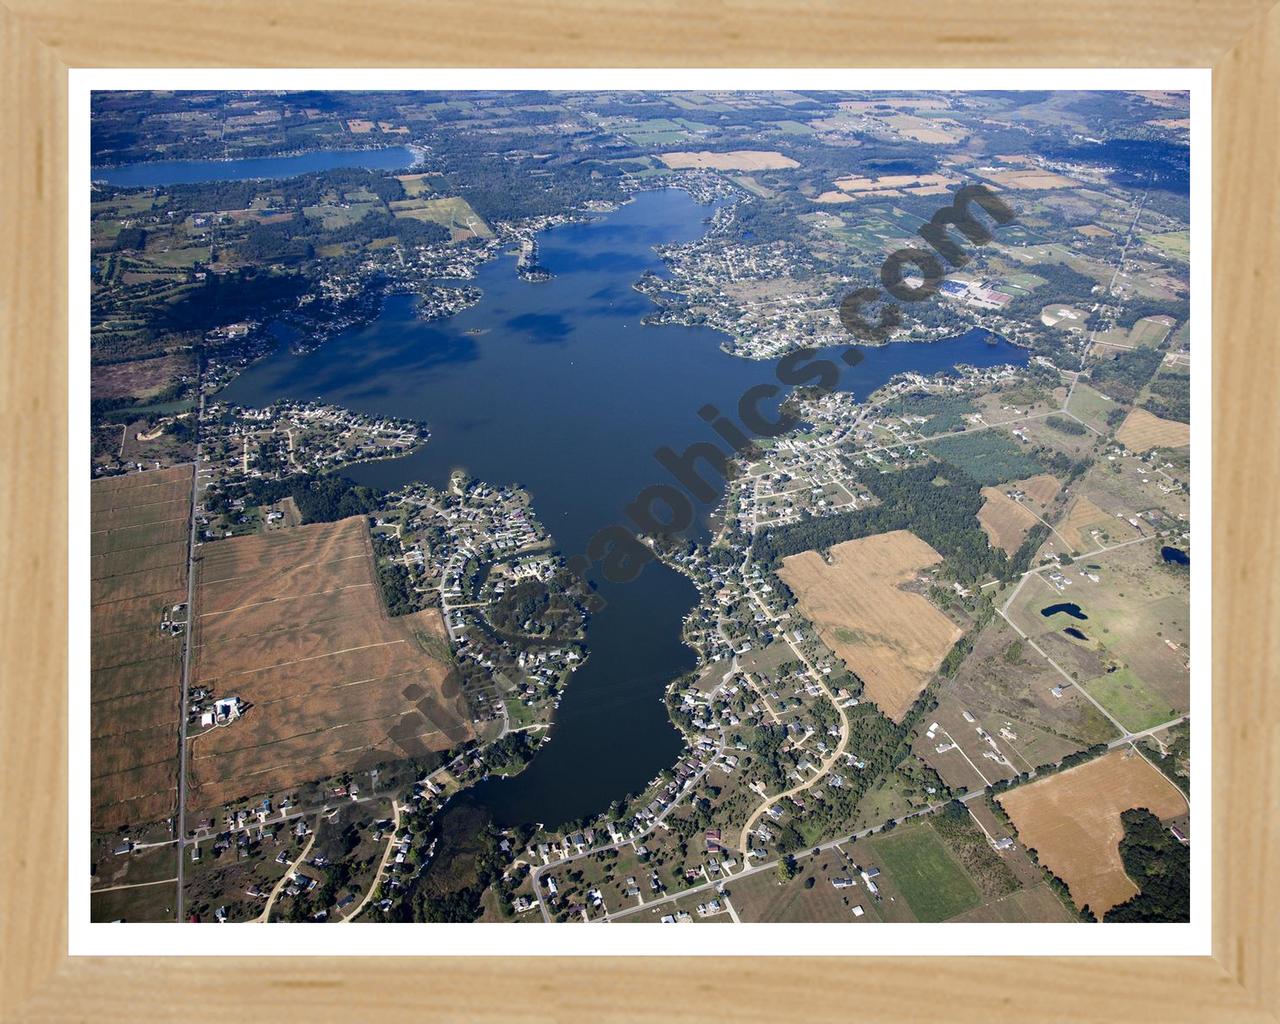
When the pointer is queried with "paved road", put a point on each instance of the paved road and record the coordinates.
(392, 841)
(284, 880)
(771, 865)
(181, 828)
(831, 844)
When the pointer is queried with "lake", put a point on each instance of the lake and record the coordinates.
(154, 173)
(1176, 555)
(558, 386)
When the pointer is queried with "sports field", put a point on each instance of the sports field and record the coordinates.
(892, 638)
(138, 573)
(1072, 821)
(292, 623)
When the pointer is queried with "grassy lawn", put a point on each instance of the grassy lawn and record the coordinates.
(933, 884)
(1135, 705)
(520, 713)
(1090, 406)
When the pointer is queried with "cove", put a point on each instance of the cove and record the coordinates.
(154, 173)
(559, 387)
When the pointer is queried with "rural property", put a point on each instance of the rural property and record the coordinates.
(893, 639)
(292, 623)
(1072, 821)
(139, 574)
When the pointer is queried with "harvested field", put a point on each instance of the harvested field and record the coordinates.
(292, 623)
(737, 160)
(138, 571)
(1004, 520)
(892, 638)
(1072, 821)
(1040, 489)
(1084, 517)
(909, 182)
(1141, 431)
(141, 378)
(1028, 179)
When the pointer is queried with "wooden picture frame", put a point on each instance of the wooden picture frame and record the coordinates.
(42, 39)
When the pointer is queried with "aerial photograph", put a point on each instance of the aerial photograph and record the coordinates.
(625, 506)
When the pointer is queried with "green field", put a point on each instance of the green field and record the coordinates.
(1148, 333)
(934, 886)
(1091, 406)
(1175, 244)
(1133, 704)
(989, 456)
(1024, 282)
(454, 213)
(333, 216)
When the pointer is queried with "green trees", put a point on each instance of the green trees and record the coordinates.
(938, 503)
(1065, 425)
(1160, 866)
(1170, 397)
(787, 868)
(1123, 377)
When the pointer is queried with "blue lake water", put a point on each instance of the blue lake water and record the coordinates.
(184, 172)
(559, 387)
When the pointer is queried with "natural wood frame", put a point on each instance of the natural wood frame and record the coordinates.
(41, 39)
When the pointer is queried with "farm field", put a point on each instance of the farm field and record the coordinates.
(933, 884)
(1150, 331)
(138, 573)
(1006, 685)
(292, 623)
(1138, 618)
(140, 378)
(738, 160)
(1035, 904)
(1176, 244)
(1133, 704)
(154, 903)
(1142, 431)
(1007, 521)
(1072, 821)
(1085, 526)
(1024, 179)
(453, 212)
(892, 638)
(1091, 406)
